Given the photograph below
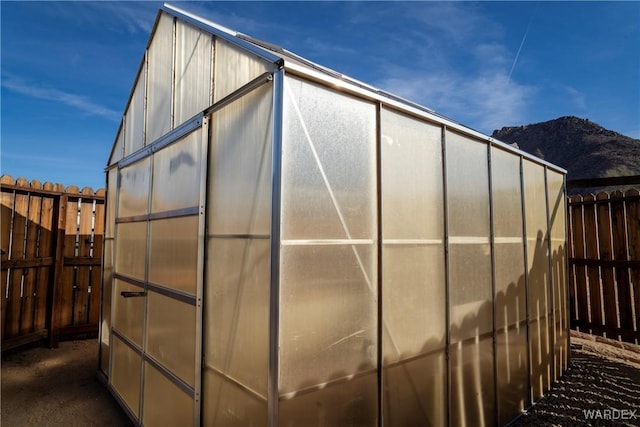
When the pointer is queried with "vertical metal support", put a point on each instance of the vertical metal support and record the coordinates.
(447, 274)
(550, 283)
(567, 300)
(274, 292)
(145, 310)
(104, 245)
(113, 285)
(380, 335)
(526, 278)
(172, 95)
(492, 233)
(201, 270)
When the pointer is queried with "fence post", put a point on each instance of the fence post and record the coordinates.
(56, 289)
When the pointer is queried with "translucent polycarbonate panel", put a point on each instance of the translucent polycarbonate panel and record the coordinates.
(328, 164)
(131, 249)
(226, 403)
(351, 402)
(164, 403)
(240, 165)
(192, 71)
(557, 220)
(328, 314)
(507, 196)
(414, 306)
(171, 335)
(467, 187)
(412, 196)
(160, 75)
(234, 67)
(128, 313)
(538, 266)
(118, 149)
(472, 392)
(415, 391)
(125, 374)
(470, 291)
(105, 306)
(133, 197)
(510, 299)
(176, 174)
(511, 331)
(134, 120)
(236, 311)
(112, 199)
(173, 253)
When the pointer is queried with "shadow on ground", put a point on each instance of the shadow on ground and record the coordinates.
(59, 387)
(56, 387)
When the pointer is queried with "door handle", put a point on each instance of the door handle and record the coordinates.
(128, 294)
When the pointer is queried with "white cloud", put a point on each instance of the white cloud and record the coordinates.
(578, 98)
(79, 102)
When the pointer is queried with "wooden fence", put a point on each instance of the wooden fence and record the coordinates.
(604, 264)
(51, 245)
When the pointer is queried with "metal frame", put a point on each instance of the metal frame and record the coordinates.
(492, 249)
(526, 280)
(273, 395)
(550, 291)
(447, 273)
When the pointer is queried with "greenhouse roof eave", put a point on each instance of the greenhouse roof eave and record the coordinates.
(303, 67)
(223, 33)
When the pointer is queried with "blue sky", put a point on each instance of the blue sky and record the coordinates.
(67, 67)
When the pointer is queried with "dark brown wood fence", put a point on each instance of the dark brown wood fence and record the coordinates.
(51, 244)
(604, 264)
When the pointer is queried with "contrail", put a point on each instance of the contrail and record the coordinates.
(526, 33)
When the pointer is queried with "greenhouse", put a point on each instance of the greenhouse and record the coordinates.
(287, 246)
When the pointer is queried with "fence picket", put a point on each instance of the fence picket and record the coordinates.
(609, 294)
(632, 198)
(618, 223)
(591, 252)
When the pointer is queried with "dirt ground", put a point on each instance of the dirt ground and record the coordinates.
(56, 387)
(44, 387)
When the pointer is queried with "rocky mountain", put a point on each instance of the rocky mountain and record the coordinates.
(584, 148)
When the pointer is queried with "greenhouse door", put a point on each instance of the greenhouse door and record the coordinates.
(156, 300)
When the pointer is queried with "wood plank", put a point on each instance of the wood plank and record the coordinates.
(582, 296)
(3, 309)
(81, 261)
(14, 305)
(85, 249)
(46, 248)
(571, 274)
(60, 221)
(618, 225)
(6, 215)
(96, 271)
(605, 254)
(27, 314)
(27, 263)
(24, 339)
(611, 263)
(68, 283)
(633, 229)
(591, 252)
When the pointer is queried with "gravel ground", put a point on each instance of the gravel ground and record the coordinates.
(43, 387)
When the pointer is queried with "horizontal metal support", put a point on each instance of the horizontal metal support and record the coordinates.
(129, 280)
(125, 340)
(172, 293)
(469, 240)
(170, 375)
(327, 242)
(509, 240)
(239, 93)
(608, 263)
(412, 241)
(239, 236)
